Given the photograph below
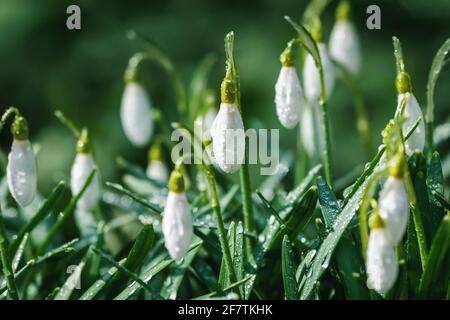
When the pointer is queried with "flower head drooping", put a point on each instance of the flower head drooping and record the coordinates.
(156, 169)
(227, 130)
(344, 42)
(177, 220)
(288, 92)
(21, 168)
(381, 262)
(82, 166)
(311, 75)
(411, 114)
(136, 109)
(393, 200)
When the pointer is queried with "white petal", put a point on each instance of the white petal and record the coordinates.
(81, 168)
(288, 97)
(344, 46)
(177, 225)
(311, 130)
(381, 262)
(85, 222)
(21, 172)
(311, 77)
(136, 114)
(157, 170)
(394, 207)
(412, 112)
(228, 136)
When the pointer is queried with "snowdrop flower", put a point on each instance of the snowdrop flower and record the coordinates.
(21, 168)
(227, 130)
(381, 261)
(412, 112)
(82, 166)
(393, 204)
(156, 169)
(344, 43)
(311, 76)
(136, 111)
(288, 93)
(311, 124)
(177, 221)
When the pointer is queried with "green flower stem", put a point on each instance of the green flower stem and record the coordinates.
(249, 221)
(76, 132)
(6, 262)
(154, 52)
(208, 170)
(9, 112)
(325, 129)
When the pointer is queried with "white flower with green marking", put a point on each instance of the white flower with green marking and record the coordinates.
(177, 220)
(412, 113)
(21, 168)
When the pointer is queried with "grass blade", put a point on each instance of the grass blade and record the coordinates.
(45, 209)
(435, 184)
(288, 269)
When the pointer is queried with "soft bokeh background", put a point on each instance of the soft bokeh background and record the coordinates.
(44, 66)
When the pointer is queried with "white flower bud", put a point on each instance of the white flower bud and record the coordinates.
(381, 262)
(288, 97)
(412, 112)
(157, 170)
(228, 138)
(393, 207)
(311, 130)
(136, 114)
(81, 168)
(177, 225)
(311, 77)
(21, 172)
(344, 46)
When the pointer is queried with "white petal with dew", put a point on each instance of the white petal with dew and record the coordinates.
(344, 46)
(81, 168)
(177, 225)
(288, 97)
(412, 112)
(21, 172)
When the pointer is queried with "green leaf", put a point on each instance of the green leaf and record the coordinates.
(436, 275)
(98, 285)
(413, 263)
(238, 255)
(296, 216)
(347, 259)
(149, 273)
(45, 209)
(435, 71)
(300, 189)
(224, 276)
(203, 271)
(325, 252)
(435, 183)
(176, 275)
(71, 283)
(137, 171)
(288, 269)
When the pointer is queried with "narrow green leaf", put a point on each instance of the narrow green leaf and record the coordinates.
(413, 263)
(288, 269)
(436, 275)
(435, 71)
(137, 171)
(203, 271)
(45, 209)
(306, 182)
(435, 183)
(149, 273)
(224, 276)
(325, 252)
(71, 283)
(176, 275)
(347, 259)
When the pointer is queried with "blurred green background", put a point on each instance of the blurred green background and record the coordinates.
(45, 67)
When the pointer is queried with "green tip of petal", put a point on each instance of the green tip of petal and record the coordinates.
(176, 181)
(287, 57)
(19, 128)
(83, 143)
(375, 221)
(403, 83)
(343, 11)
(155, 152)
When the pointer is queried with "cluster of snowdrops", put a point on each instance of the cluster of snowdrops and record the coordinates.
(296, 103)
